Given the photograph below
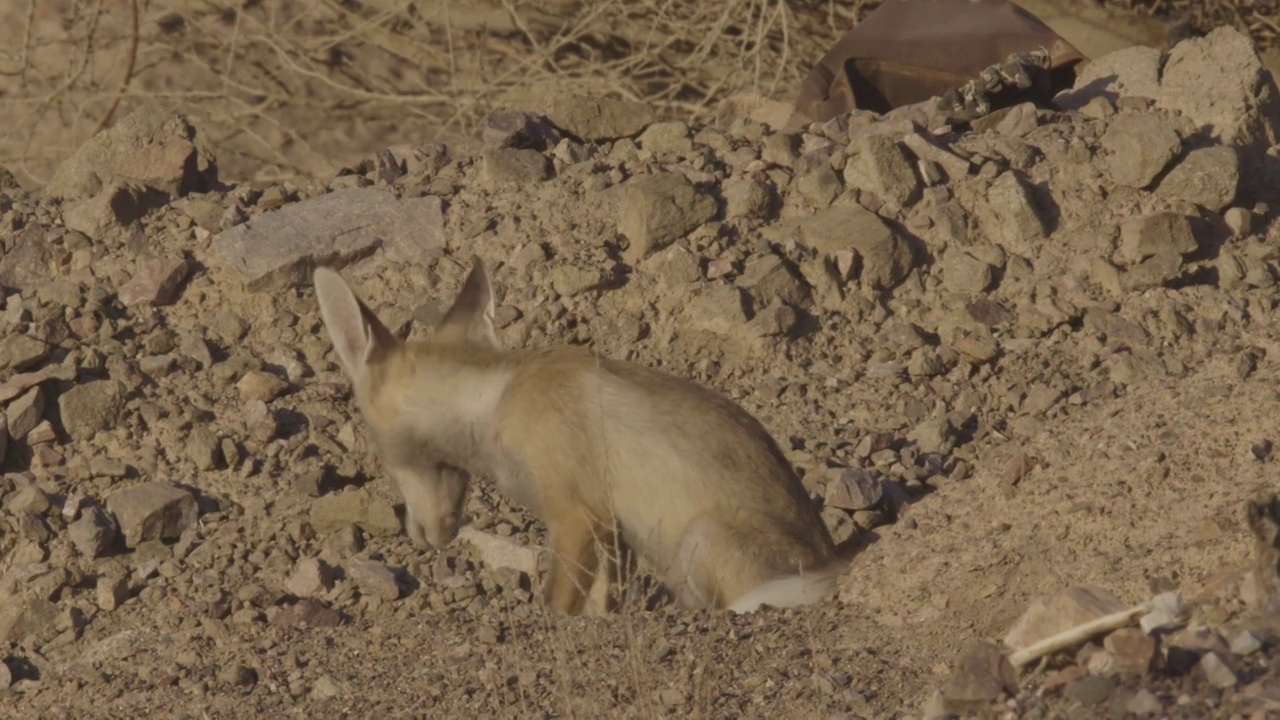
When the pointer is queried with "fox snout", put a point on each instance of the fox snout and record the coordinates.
(433, 498)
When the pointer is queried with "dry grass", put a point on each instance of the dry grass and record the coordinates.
(295, 87)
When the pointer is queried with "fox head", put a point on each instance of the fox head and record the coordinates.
(386, 374)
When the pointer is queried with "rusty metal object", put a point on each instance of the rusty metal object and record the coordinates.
(910, 51)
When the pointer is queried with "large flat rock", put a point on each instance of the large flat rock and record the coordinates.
(280, 248)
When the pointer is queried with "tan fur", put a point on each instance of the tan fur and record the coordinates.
(695, 484)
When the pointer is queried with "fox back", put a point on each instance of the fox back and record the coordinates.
(608, 454)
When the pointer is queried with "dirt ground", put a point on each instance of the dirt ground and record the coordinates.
(1036, 354)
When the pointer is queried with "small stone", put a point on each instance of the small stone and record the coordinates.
(1208, 177)
(28, 619)
(747, 197)
(981, 676)
(308, 612)
(311, 577)
(1018, 219)
(1245, 643)
(111, 591)
(1156, 271)
(769, 278)
(935, 435)
(658, 209)
(1144, 703)
(505, 128)
(1132, 650)
(1040, 398)
(574, 280)
(878, 164)
(718, 309)
(19, 353)
(1142, 237)
(963, 273)
(374, 578)
(91, 407)
(326, 687)
(204, 449)
(23, 414)
(155, 283)
(854, 489)
(666, 139)
(1091, 690)
(591, 118)
(513, 167)
(1217, 672)
(153, 510)
(94, 533)
(1049, 615)
(496, 552)
(886, 258)
(1138, 147)
(358, 508)
(237, 675)
(115, 208)
(261, 385)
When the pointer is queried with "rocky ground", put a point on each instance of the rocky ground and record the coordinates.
(1030, 365)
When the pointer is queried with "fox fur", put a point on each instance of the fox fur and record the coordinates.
(606, 453)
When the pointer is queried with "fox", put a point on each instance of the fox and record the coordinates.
(606, 453)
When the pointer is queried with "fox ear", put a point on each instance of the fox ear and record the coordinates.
(358, 335)
(470, 318)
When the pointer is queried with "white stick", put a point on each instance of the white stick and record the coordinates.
(1077, 634)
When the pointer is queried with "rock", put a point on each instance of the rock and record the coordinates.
(963, 273)
(1245, 643)
(21, 352)
(308, 612)
(1018, 220)
(819, 186)
(94, 533)
(1208, 177)
(236, 674)
(753, 107)
(1138, 147)
(155, 283)
(327, 687)
(496, 552)
(152, 511)
(279, 248)
(981, 676)
(666, 139)
(886, 258)
(311, 577)
(27, 619)
(1156, 271)
(261, 385)
(769, 278)
(747, 197)
(155, 149)
(1091, 690)
(853, 489)
(1142, 237)
(718, 309)
(1040, 398)
(4, 436)
(513, 167)
(935, 435)
(592, 119)
(91, 407)
(879, 165)
(506, 128)
(1144, 703)
(357, 507)
(374, 578)
(111, 591)
(6, 675)
(674, 266)
(978, 349)
(1217, 671)
(1049, 615)
(1132, 651)
(30, 499)
(776, 319)
(1128, 72)
(574, 280)
(656, 210)
(204, 449)
(1220, 84)
(113, 209)
(24, 413)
